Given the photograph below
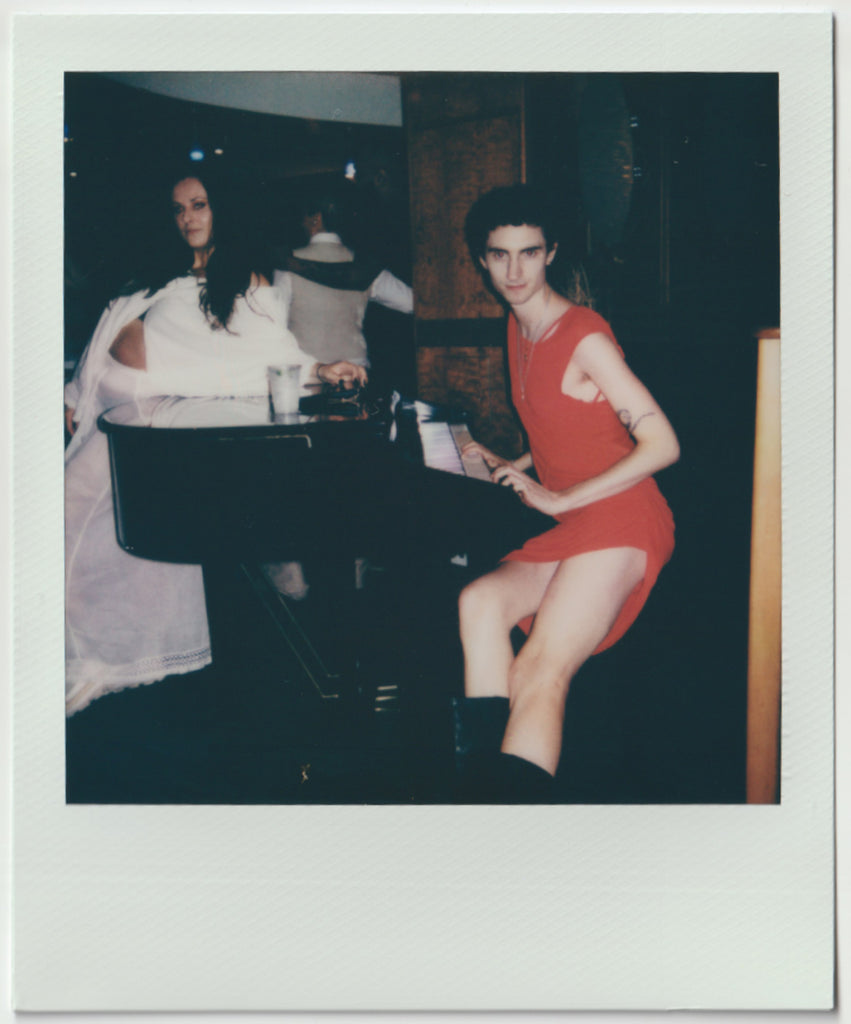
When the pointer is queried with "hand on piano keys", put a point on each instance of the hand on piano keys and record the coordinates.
(530, 492)
(507, 473)
(474, 450)
(450, 447)
(475, 516)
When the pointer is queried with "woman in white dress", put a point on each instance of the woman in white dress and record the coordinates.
(200, 322)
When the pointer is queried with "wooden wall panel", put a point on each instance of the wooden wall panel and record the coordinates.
(437, 97)
(473, 379)
(465, 136)
(450, 167)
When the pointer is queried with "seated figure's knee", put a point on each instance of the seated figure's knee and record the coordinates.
(480, 601)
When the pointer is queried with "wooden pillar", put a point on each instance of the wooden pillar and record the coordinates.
(464, 136)
(764, 642)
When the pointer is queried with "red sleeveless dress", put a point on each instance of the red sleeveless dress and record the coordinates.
(572, 440)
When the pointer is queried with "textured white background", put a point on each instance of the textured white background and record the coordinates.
(213, 908)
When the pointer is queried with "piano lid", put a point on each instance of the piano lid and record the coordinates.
(222, 414)
(173, 411)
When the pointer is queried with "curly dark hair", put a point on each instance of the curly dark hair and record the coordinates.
(509, 205)
(520, 204)
(166, 256)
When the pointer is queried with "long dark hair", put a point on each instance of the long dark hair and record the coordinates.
(166, 256)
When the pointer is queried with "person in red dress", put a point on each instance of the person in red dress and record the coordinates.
(596, 437)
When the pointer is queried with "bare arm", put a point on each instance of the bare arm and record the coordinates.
(656, 444)
(129, 346)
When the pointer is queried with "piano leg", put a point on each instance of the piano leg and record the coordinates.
(319, 639)
(228, 587)
(328, 683)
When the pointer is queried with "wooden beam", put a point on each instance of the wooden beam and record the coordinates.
(764, 639)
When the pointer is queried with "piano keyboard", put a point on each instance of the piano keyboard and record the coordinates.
(442, 444)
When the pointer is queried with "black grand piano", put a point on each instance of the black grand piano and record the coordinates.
(224, 483)
(201, 479)
(342, 697)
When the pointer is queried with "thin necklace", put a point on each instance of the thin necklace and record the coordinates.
(533, 335)
(524, 353)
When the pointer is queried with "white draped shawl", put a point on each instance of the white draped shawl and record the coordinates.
(130, 620)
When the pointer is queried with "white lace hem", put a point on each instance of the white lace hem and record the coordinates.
(87, 680)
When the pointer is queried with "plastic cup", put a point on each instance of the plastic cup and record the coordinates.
(284, 389)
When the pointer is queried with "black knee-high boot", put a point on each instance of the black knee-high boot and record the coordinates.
(515, 780)
(478, 725)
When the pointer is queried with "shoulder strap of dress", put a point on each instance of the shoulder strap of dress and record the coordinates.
(596, 324)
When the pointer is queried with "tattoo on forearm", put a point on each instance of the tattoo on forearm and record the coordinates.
(625, 416)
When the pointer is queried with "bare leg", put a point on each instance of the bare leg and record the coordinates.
(489, 608)
(581, 602)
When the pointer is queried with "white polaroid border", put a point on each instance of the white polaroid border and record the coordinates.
(424, 908)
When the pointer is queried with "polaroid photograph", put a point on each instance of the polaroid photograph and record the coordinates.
(423, 499)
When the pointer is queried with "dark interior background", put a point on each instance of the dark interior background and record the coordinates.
(672, 183)
(122, 142)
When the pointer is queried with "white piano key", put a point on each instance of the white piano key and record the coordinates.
(442, 443)
(474, 464)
